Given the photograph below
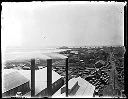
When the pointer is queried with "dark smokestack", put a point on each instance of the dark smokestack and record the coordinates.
(66, 77)
(49, 77)
(32, 77)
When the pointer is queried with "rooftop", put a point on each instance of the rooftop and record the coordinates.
(40, 78)
(85, 89)
(12, 79)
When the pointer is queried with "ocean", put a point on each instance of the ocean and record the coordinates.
(44, 50)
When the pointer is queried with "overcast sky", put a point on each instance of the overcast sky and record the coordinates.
(41, 25)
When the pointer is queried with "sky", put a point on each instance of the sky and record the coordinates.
(50, 24)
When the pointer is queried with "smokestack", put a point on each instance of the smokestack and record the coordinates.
(49, 77)
(32, 77)
(66, 77)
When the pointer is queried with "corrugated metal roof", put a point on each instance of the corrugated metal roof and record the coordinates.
(12, 79)
(40, 75)
(86, 89)
(40, 78)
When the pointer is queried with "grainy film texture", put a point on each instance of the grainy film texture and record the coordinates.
(63, 49)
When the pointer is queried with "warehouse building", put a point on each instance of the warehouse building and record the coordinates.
(41, 81)
(20, 81)
(14, 82)
(47, 84)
